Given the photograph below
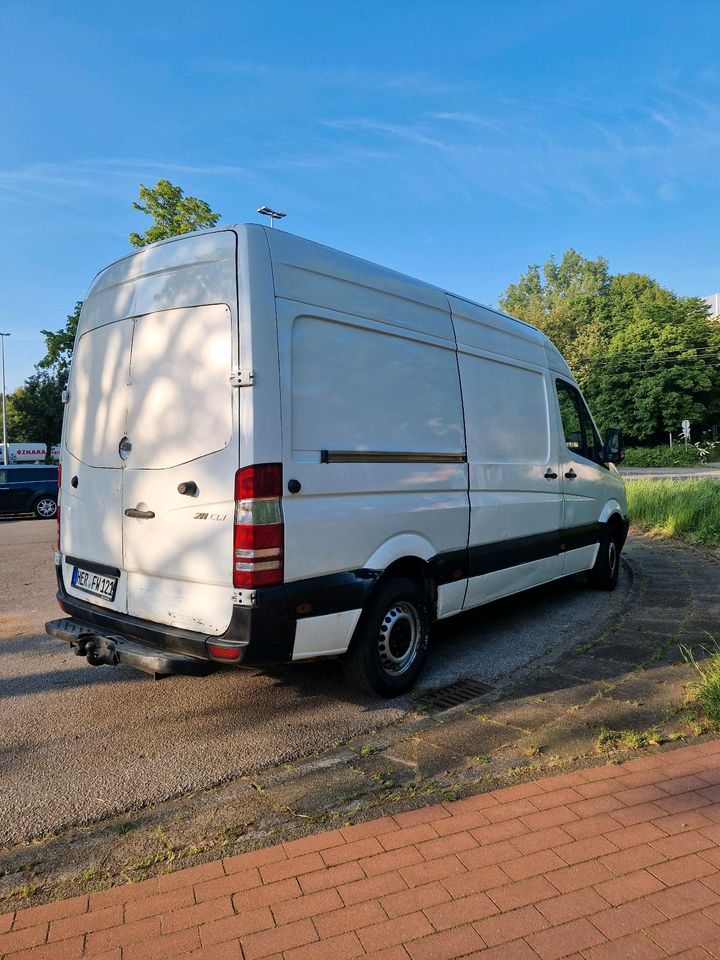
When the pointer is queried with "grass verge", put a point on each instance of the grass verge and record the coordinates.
(689, 509)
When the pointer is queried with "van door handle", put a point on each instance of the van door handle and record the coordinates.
(570, 475)
(140, 514)
(549, 475)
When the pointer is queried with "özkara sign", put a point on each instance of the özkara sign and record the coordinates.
(28, 452)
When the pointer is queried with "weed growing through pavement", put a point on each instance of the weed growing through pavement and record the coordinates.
(707, 688)
(608, 739)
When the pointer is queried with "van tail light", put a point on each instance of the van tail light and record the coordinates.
(219, 651)
(258, 533)
(57, 511)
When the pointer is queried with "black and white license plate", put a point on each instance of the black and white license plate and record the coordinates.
(95, 583)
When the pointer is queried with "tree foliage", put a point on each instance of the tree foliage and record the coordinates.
(35, 410)
(59, 345)
(568, 302)
(173, 213)
(645, 358)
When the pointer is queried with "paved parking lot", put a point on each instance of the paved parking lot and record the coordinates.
(79, 743)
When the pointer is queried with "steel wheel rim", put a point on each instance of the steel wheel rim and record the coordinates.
(399, 638)
(46, 508)
(612, 557)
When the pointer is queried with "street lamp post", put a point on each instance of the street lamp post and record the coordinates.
(4, 410)
(273, 215)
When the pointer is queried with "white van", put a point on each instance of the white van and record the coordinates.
(274, 451)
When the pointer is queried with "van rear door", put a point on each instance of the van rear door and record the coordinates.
(151, 407)
(94, 424)
(177, 546)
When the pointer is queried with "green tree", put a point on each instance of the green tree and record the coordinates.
(659, 366)
(645, 358)
(567, 301)
(173, 213)
(59, 345)
(35, 410)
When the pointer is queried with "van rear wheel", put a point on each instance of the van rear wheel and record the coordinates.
(391, 641)
(604, 575)
(45, 508)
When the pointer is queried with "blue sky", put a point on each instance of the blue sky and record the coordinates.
(455, 141)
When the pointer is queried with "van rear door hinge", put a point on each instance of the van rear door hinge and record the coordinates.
(242, 378)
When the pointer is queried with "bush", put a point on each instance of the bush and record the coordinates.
(689, 509)
(679, 455)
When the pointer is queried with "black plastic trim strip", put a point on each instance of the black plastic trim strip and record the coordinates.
(491, 557)
(383, 456)
(93, 567)
(266, 631)
(335, 593)
(449, 567)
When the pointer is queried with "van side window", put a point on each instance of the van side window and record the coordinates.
(593, 444)
(570, 413)
(3, 476)
(578, 429)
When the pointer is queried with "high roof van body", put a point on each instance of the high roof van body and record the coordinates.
(274, 451)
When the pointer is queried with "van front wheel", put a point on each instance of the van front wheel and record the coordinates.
(391, 640)
(604, 575)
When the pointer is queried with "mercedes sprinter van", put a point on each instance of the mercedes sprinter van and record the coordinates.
(274, 451)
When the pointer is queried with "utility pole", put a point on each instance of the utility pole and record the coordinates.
(4, 410)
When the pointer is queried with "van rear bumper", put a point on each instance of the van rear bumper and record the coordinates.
(102, 648)
(260, 635)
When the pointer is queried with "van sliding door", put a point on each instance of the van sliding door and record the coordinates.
(515, 494)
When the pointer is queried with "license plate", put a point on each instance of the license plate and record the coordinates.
(94, 583)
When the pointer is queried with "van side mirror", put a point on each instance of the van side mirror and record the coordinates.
(613, 448)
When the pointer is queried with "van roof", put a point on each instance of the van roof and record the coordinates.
(334, 251)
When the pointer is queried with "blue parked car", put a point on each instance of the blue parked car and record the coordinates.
(29, 489)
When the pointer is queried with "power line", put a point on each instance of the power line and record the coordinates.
(670, 351)
(707, 359)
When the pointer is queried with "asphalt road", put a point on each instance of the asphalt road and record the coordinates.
(78, 743)
(672, 473)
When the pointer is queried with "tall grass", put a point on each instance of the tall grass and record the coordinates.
(707, 689)
(689, 509)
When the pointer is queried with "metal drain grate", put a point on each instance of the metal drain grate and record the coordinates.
(452, 695)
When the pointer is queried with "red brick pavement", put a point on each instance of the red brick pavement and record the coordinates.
(613, 863)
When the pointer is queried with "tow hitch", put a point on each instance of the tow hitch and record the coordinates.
(100, 650)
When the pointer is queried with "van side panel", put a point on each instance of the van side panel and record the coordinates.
(369, 390)
(320, 276)
(516, 511)
(360, 408)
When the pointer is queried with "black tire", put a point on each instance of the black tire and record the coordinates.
(45, 508)
(604, 575)
(390, 644)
